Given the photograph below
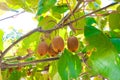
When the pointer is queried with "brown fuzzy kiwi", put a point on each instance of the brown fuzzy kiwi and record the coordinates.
(58, 44)
(72, 43)
(42, 48)
(51, 52)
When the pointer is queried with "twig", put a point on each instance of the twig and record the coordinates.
(12, 16)
(90, 13)
(85, 73)
(4, 65)
(62, 25)
(64, 19)
(29, 54)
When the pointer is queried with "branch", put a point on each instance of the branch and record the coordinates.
(4, 65)
(62, 25)
(24, 36)
(67, 16)
(90, 13)
(12, 16)
(29, 54)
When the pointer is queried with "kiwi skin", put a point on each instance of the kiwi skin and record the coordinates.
(72, 43)
(51, 52)
(42, 48)
(58, 44)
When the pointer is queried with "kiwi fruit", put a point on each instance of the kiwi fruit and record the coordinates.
(42, 48)
(58, 44)
(72, 43)
(51, 52)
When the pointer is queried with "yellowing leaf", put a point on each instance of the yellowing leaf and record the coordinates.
(1, 40)
(0, 75)
(56, 76)
(47, 23)
(80, 23)
(4, 6)
(114, 21)
(16, 4)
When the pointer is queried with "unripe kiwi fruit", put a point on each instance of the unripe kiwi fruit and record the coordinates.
(42, 48)
(57, 44)
(51, 52)
(72, 43)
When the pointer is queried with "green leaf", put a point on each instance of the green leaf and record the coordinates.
(53, 69)
(80, 23)
(104, 60)
(94, 5)
(90, 21)
(116, 43)
(98, 1)
(62, 67)
(60, 8)
(31, 5)
(114, 21)
(62, 33)
(31, 40)
(56, 15)
(78, 66)
(114, 34)
(118, 8)
(96, 37)
(15, 75)
(102, 21)
(45, 5)
(30, 58)
(1, 39)
(71, 66)
(47, 23)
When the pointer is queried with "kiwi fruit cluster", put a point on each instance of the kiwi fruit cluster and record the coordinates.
(57, 45)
